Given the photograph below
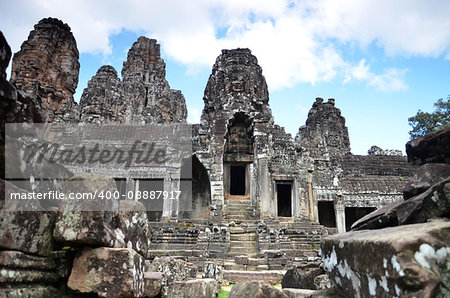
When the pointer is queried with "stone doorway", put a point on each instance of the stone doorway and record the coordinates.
(154, 207)
(237, 181)
(352, 214)
(284, 198)
(327, 216)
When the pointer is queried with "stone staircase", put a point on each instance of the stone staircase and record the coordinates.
(245, 248)
(237, 210)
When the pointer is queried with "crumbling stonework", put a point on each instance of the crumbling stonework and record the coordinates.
(47, 67)
(103, 100)
(401, 249)
(325, 132)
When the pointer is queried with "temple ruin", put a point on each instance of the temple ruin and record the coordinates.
(261, 198)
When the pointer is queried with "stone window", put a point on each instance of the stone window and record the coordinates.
(239, 135)
(284, 198)
(327, 216)
(352, 214)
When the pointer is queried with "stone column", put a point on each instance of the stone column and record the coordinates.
(310, 196)
(340, 215)
(267, 204)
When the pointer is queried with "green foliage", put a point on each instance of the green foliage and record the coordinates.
(424, 123)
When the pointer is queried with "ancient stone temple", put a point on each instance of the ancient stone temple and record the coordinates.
(261, 199)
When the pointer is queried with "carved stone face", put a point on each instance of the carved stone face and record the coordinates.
(238, 135)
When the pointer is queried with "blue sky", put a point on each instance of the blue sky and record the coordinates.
(381, 60)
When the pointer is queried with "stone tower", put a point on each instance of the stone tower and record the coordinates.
(47, 67)
(143, 96)
(325, 132)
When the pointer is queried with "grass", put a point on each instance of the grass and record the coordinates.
(223, 294)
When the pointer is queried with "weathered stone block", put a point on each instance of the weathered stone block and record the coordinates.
(208, 288)
(322, 282)
(432, 148)
(242, 260)
(153, 284)
(76, 226)
(133, 227)
(213, 269)
(424, 177)
(397, 261)
(109, 272)
(433, 203)
(27, 231)
(24, 275)
(254, 289)
(172, 270)
(301, 279)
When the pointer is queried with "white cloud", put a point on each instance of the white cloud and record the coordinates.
(295, 41)
(391, 79)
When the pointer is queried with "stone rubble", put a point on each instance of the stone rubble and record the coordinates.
(403, 248)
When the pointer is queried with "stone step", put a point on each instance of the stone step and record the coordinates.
(243, 237)
(239, 267)
(244, 250)
(243, 244)
(238, 212)
(233, 254)
(269, 276)
(237, 202)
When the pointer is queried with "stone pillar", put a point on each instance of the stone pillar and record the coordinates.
(170, 206)
(267, 204)
(310, 197)
(340, 215)
(295, 199)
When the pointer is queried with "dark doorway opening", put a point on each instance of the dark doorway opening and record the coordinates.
(195, 188)
(154, 206)
(352, 214)
(237, 180)
(327, 216)
(121, 184)
(284, 199)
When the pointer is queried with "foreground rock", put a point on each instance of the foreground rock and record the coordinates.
(301, 278)
(253, 289)
(207, 288)
(24, 275)
(173, 270)
(87, 222)
(425, 177)
(27, 231)
(405, 260)
(153, 284)
(432, 203)
(109, 272)
(432, 148)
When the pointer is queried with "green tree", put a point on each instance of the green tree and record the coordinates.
(424, 123)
